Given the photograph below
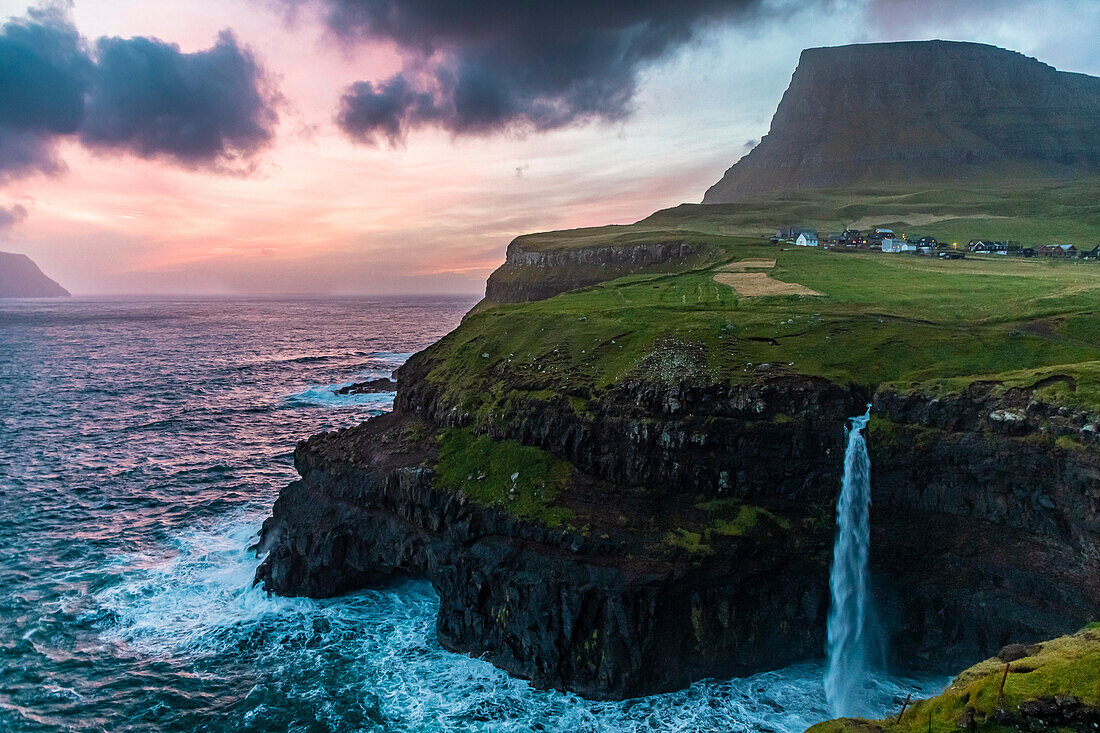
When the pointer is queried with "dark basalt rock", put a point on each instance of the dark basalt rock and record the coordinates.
(980, 536)
(607, 616)
(371, 386)
(1050, 714)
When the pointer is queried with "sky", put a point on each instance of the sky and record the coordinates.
(397, 146)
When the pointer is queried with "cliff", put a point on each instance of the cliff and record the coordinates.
(21, 278)
(533, 274)
(540, 266)
(620, 471)
(688, 532)
(930, 111)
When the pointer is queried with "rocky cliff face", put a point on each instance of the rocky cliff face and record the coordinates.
(986, 528)
(531, 274)
(928, 110)
(21, 278)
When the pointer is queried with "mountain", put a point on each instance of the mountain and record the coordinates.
(21, 278)
(921, 111)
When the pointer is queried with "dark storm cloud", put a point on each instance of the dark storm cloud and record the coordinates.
(199, 108)
(10, 215)
(483, 67)
(138, 95)
(44, 74)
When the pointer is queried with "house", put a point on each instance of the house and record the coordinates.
(788, 235)
(880, 233)
(853, 238)
(990, 247)
(1057, 250)
(806, 239)
(790, 232)
(1092, 254)
(1026, 252)
(950, 255)
(892, 244)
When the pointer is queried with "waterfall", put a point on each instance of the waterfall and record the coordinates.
(850, 611)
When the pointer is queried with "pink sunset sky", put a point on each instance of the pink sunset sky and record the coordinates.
(316, 211)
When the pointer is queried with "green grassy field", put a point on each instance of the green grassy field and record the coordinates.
(882, 318)
(1033, 213)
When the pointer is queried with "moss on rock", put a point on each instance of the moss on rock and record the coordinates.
(522, 480)
(1054, 685)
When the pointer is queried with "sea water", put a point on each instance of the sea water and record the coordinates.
(142, 443)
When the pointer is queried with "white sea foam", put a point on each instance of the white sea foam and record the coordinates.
(377, 650)
(325, 396)
(380, 364)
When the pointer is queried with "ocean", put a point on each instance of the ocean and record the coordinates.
(142, 443)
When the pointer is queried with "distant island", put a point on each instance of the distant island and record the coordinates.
(21, 278)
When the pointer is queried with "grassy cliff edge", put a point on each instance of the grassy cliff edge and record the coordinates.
(1054, 685)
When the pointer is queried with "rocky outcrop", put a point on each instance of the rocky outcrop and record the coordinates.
(927, 110)
(529, 273)
(984, 531)
(606, 610)
(21, 278)
(371, 386)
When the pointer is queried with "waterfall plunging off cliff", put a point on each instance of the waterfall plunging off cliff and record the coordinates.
(849, 637)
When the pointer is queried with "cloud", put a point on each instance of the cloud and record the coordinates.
(372, 113)
(44, 74)
(479, 68)
(10, 215)
(203, 108)
(213, 108)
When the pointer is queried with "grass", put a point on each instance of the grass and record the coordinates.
(1030, 212)
(895, 321)
(1069, 665)
(524, 481)
(883, 319)
(1082, 392)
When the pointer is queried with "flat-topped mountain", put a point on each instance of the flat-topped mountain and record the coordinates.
(21, 278)
(925, 110)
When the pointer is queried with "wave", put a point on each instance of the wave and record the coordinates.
(325, 396)
(379, 364)
(373, 658)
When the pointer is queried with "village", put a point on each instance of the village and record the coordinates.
(883, 239)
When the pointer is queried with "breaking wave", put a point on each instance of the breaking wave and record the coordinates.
(375, 656)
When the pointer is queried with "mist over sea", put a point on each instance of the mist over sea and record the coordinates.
(142, 443)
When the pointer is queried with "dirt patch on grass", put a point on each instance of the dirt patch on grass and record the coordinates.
(752, 284)
(742, 265)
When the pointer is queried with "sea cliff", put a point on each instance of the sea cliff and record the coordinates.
(691, 538)
(619, 472)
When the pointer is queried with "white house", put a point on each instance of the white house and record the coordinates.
(893, 244)
(807, 239)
